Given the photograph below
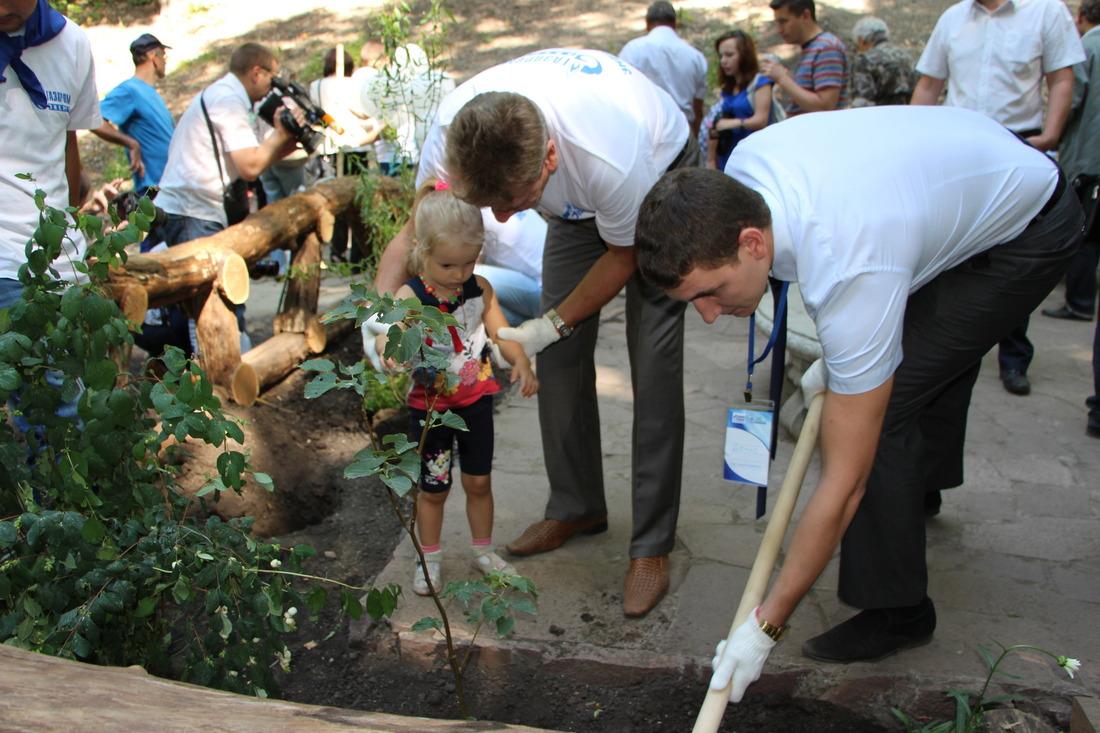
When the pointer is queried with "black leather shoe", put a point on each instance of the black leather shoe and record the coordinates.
(932, 502)
(874, 634)
(1015, 381)
(1093, 431)
(1066, 313)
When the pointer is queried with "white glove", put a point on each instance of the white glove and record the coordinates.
(739, 662)
(533, 335)
(371, 328)
(814, 380)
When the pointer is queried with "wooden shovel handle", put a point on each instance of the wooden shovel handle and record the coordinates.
(714, 706)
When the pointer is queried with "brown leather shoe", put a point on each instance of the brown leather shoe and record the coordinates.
(551, 533)
(646, 584)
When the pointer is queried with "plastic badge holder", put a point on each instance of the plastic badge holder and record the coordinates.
(749, 443)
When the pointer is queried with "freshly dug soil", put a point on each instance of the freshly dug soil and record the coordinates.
(305, 444)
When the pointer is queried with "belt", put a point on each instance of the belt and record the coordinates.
(1059, 189)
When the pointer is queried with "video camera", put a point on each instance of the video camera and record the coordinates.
(128, 202)
(306, 134)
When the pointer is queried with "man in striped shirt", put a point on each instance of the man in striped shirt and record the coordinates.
(820, 82)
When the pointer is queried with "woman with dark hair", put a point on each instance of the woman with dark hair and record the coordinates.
(745, 103)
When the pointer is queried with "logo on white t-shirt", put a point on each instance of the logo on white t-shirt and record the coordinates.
(571, 212)
(575, 62)
(59, 101)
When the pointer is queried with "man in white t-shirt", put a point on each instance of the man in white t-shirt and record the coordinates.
(670, 62)
(48, 92)
(910, 279)
(993, 56)
(581, 136)
(193, 183)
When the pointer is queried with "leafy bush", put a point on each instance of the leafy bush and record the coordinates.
(100, 558)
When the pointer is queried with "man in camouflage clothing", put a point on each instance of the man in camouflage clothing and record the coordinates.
(882, 73)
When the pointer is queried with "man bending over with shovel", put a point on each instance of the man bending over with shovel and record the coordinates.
(918, 237)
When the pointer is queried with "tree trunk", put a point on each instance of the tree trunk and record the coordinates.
(303, 288)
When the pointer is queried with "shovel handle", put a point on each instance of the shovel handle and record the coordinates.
(714, 706)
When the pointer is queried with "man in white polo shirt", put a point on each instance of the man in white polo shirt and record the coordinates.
(670, 62)
(581, 136)
(910, 279)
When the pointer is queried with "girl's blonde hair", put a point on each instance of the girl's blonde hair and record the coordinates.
(439, 215)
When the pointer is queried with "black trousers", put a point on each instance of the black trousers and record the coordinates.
(950, 324)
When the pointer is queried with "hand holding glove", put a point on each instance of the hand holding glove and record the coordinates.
(739, 660)
(533, 335)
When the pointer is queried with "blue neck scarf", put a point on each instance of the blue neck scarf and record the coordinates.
(44, 25)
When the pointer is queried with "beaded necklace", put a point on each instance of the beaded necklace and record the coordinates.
(451, 299)
(451, 304)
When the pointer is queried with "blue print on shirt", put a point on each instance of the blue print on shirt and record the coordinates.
(572, 212)
(575, 62)
(59, 101)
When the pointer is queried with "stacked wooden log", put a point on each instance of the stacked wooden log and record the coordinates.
(209, 276)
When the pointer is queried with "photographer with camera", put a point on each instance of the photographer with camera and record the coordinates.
(217, 151)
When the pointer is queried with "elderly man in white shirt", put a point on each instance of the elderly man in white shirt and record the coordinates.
(670, 62)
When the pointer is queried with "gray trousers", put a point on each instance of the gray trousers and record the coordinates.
(950, 324)
(568, 413)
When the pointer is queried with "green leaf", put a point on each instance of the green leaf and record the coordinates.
(10, 379)
(505, 625)
(81, 647)
(100, 374)
(93, 530)
(401, 485)
(317, 365)
(321, 384)
(9, 535)
(98, 311)
(146, 606)
(71, 302)
(451, 420)
(181, 591)
(263, 480)
(350, 604)
(315, 598)
(428, 623)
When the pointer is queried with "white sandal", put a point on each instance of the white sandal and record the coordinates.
(488, 560)
(433, 561)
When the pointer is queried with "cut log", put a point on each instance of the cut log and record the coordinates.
(244, 385)
(316, 337)
(219, 339)
(129, 699)
(132, 300)
(187, 269)
(232, 278)
(326, 225)
(303, 288)
(277, 357)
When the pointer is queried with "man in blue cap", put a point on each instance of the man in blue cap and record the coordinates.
(136, 116)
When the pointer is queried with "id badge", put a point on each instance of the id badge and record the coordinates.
(749, 443)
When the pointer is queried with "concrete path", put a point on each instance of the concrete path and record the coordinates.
(1014, 556)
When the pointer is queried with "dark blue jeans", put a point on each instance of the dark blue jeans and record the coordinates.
(179, 229)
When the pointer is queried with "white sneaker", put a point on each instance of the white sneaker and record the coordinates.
(432, 560)
(486, 560)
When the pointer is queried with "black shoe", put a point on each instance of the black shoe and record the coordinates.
(1015, 381)
(1067, 313)
(874, 634)
(1093, 431)
(932, 501)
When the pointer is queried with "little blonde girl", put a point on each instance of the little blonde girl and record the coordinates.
(447, 239)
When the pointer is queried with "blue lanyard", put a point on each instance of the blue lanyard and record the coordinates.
(779, 310)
